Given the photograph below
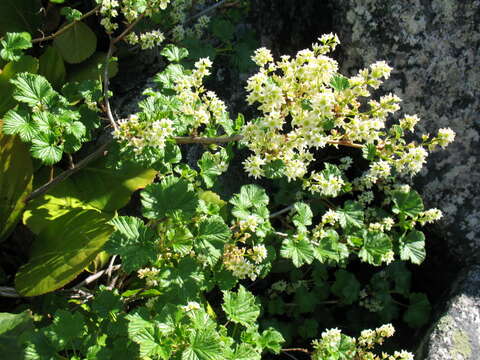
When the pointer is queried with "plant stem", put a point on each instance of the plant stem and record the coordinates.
(206, 140)
(66, 27)
(297, 349)
(67, 173)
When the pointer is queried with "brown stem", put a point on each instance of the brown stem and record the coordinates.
(67, 173)
(105, 87)
(128, 29)
(297, 349)
(66, 27)
(206, 140)
(345, 143)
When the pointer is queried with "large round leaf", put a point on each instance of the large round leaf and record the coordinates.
(16, 174)
(76, 44)
(62, 251)
(52, 67)
(25, 64)
(94, 187)
(20, 15)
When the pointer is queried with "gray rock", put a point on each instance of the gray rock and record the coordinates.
(456, 334)
(434, 49)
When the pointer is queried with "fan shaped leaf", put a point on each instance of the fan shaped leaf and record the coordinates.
(62, 250)
(76, 44)
(241, 307)
(171, 197)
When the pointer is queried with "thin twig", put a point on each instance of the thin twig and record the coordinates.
(67, 173)
(93, 277)
(296, 349)
(110, 267)
(66, 27)
(206, 140)
(345, 143)
(105, 87)
(9, 292)
(128, 29)
(281, 212)
(291, 356)
(205, 11)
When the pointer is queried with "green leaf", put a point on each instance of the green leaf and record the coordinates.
(346, 286)
(369, 151)
(107, 302)
(133, 241)
(418, 311)
(172, 197)
(167, 77)
(250, 197)
(32, 89)
(351, 215)
(409, 203)
(20, 15)
(62, 250)
(45, 148)
(174, 53)
(243, 51)
(375, 246)
(92, 69)
(212, 235)
(274, 169)
(308, 328)
(69, 13)
(76, 44)
(198, 49)
(16, 174)
(243, 351)
(95, 187)
(209, 168)
(303, 216)
(25, 64)
(203, 345)
(109, 189)
(401, 276)
(13, 44)
(12, 327)
(339, 83)
(300, 251)
(67, 326)
(52, 67)
(412, 247)
(241, 307)
(330, 248)
(272, 340)
(305, 300)
(222, 29)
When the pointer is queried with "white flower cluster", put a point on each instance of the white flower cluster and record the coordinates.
(327, 185)
(429, 216)
(203, 106)
(334, 343)
(131, 10)
(140, 133)
(235, 259)
(147, 40)
(150, 276)
(191, 306)
(306, 95)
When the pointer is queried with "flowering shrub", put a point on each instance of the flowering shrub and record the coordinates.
(186, 261)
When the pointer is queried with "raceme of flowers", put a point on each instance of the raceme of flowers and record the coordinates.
(320, 107)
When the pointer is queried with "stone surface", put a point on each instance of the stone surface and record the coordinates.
(456, 334)
(434, 49)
